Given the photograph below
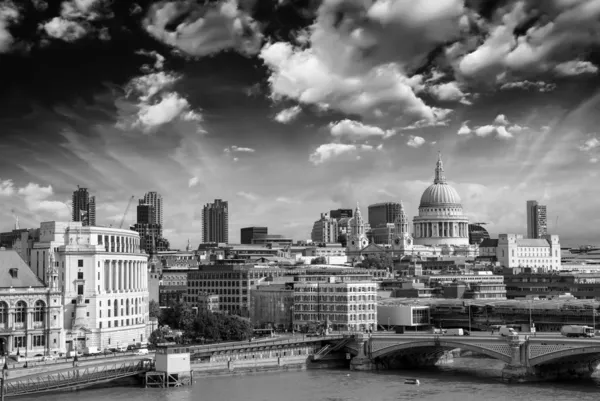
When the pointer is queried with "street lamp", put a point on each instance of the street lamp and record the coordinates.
(2, 384)
(469, 318)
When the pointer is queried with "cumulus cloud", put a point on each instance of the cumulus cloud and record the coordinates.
(288, 115)
(329, 151)
(354, 130)
(247, 195)
(7, 187)
(239, 149)
(64, 29)
(192, 182)
(203, 29)
(539, 86)
(415, 141)
(449, 92)
(85, 9)
(9, 14)
(590, 144)
(356, 65)
(501, 127)
(575, 67)
(36, 200)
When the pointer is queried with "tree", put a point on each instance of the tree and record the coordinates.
(319, 260)
(154, 310)
(378, 261)
(179, 315)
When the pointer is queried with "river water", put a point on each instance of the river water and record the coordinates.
(465, 380)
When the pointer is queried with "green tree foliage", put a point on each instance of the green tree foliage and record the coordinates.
(154, 310)
(320, 260)
(381, 261)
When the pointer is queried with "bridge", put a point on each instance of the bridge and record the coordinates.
(526, 357)
(75, 377)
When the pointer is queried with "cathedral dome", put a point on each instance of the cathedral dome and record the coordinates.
(439, 195)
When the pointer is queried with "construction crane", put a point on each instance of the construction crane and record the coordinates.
(126, 210)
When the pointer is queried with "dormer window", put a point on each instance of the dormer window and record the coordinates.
(14, 272)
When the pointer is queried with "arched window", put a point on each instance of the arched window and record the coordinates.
(21, 312)
(3, 313)
(39, 312)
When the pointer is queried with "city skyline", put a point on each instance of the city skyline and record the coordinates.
(247, 106)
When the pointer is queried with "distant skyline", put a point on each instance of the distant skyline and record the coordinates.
(288, 109)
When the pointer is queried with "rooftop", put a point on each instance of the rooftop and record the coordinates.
(25, 278)
(564, 304)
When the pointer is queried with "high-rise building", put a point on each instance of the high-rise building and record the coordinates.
(215, 222)
(324, 230)
(537, 223)
(146, 214)
(155, 199)
(151, 239)
(84, 207)
(247, 234)
(340, 214)
(381, 214)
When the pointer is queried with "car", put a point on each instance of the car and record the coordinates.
(48, 358)
(141, 351)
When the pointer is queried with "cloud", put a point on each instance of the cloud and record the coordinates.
(540, 86)
(594, 160)
(501, 127)
(203, 29)
(449, 92)
(575, 67)
(169, 107)
(284, 199)
(7, 188)
(36, 200)
(63, 29)
(329, 151)
(441, 119)
(193, 182)
(590, 144)
(248, 196)
(415, 141)
(354, 130)
(238, 149)
(356, 65)
(288, 115)
(9, 14)
(159, 60)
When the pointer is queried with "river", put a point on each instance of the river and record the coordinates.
(467, 379)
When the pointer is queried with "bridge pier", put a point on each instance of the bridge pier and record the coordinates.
(362, 361)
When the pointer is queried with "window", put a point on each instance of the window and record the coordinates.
(3, 312)
(39, 341)
(20, 312)
(39, 312)
(80, 275)
(80, 263)
(80, 289)
(99, 240)
(19, 342)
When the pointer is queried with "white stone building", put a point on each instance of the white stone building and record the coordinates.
(103, 277)
(515, 251)
(31, 313)
(325, 230)
(346, 302)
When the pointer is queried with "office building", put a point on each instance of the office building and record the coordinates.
(537, 222)
(154, 199)
(247, 234)
(340, 214)
(103, 279)
(272, 306)
(324, 230)
(381, 214)
(84, 207)
(215, 222)
(31, 312)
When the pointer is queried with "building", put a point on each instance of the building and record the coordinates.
(103, 279)
(547, 285)
(155, 200)
(215, 222)
(146, 214)
(477, 234)
(204, 301)
(441, 220)
(272, 306)
(84, 207)
(537, 220)
(150, 237)
(515, 251)
(324, 230)
(340, 213)
(409, 317)
(173, 286)
(382, 235)
(344, 302)
(247, 234)
(272, 240)
(381, 214)
(31, 312)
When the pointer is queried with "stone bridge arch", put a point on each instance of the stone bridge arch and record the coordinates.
(496, 351)
(554, 356)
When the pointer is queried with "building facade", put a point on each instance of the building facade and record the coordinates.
(155, 200)
(31, 312)
(103, 278)
(84, 207)
(272, 306)
(247, 234)
(215, 222)
(343, 302)
(537, 220)
(381, 214)
(340, 213)
(515, 251)
(324, 230)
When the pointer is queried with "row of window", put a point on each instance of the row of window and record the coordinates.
(326, 298)
(337, 308)
(20, 312)
(37, 340)
(315, 288)
(334, 317)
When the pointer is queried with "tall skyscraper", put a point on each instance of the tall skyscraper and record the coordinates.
(537, 222)
(84, 207)
(247, 234)
(340, 213)
(155, 199)
(381, 214)
(215, 222)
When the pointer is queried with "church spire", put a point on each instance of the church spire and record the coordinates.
(439, 171)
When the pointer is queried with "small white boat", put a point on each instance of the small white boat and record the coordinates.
(412, 381)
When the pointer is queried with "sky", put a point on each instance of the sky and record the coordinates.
(291, 108)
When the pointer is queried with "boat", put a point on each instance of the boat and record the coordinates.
(412, 381)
